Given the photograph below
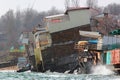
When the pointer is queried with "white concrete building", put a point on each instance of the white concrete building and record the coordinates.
(70, 19)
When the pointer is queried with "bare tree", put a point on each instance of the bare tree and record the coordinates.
(53, 11)
(71, 3)
(14, 23)
(92, 3)
(29, 19)
(67, 4)
(114, 8)
(75, 3)
(10, 28)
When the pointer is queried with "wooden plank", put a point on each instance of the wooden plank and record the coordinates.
(90, 34)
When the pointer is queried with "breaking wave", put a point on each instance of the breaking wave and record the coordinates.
(101, 70)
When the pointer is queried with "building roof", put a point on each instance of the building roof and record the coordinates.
(74, 9)
(66, 12)
(53, 16)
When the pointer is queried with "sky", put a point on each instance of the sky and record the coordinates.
(42, 5)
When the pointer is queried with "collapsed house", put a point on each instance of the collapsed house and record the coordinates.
(56, 43)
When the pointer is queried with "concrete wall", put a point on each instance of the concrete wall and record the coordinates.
(75, 18)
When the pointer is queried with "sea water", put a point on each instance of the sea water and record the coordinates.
(98, 73)
(53, 76)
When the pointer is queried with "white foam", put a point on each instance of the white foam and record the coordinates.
(102, 70)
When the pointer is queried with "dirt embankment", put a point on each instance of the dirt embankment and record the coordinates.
(9, 68)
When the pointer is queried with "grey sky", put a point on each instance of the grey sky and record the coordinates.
(42, 5)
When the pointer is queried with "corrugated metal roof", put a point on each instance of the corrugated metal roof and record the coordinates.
(107, 40)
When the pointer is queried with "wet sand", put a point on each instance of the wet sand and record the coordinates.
(9, 68)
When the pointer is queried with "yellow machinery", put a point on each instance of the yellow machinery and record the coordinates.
(41, 40)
